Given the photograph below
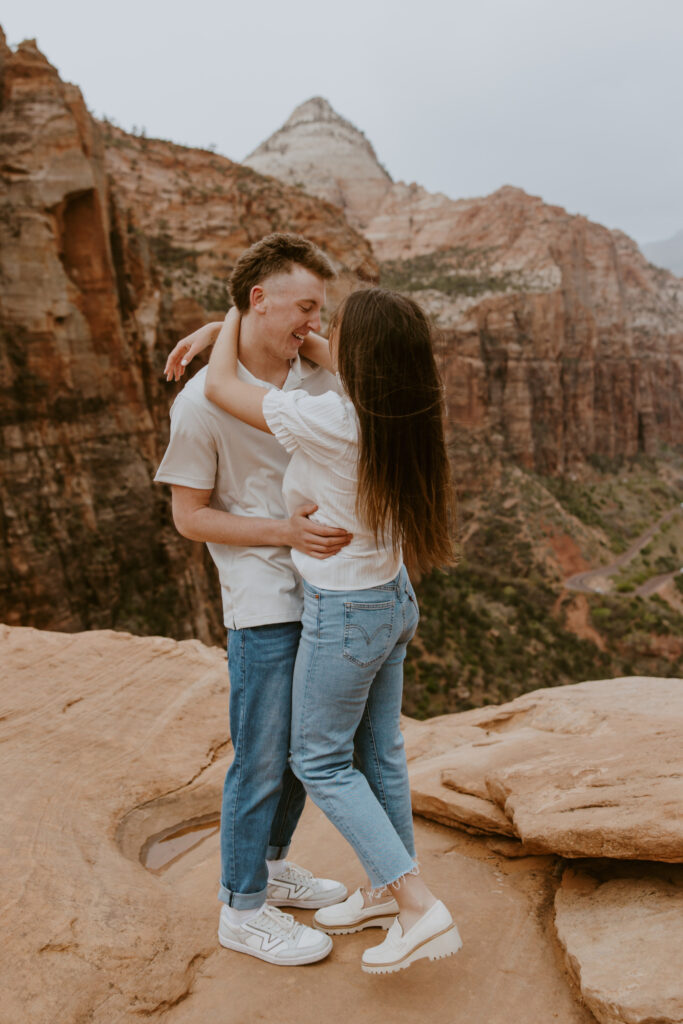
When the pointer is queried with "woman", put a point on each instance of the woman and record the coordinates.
(374, 461)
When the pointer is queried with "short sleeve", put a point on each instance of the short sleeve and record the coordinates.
(191, 457)
(321, 425)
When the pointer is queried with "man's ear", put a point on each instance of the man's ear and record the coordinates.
(258, 300)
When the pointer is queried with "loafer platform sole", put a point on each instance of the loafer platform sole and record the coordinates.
(437, 947)
(370, 922)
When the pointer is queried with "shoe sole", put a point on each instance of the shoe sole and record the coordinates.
(305, 958)
(446, 944)
(327, 901)
(359, 926)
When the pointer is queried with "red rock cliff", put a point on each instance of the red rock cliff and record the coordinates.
(98, 278)
(561, 341)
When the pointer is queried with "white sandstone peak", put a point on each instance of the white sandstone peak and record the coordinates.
(328, 157)
(315, 109)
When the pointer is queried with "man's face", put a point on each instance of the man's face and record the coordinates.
(289, 305)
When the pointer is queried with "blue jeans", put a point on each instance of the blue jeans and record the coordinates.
(262, 799)
(348, 684)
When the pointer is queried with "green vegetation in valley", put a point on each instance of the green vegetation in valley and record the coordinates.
(662, 554)
(486, 637)
(215, 296)
(628, 624)
(622, 499)
(458, 271)
(496, 626)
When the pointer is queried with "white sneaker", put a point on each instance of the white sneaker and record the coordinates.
(434, 936)
(353, 916)
(295, 887)
(275, 937)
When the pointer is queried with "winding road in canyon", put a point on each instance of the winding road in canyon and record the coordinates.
(593, 581)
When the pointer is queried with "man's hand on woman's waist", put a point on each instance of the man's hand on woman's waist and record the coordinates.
(195, 519)
(314, 539)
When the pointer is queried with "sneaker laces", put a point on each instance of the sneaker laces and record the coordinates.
(293, 873)
(278, 923)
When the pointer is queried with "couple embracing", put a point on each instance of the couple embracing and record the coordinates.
(311, 479)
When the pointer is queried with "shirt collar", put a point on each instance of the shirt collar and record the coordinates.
(299, 369)
(296, 373)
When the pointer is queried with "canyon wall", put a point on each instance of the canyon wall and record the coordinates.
(560, 342)
(111, 247)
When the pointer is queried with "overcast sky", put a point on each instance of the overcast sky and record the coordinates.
(578, 102)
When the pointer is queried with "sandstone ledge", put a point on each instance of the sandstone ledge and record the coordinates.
(636, 978)
(108, 739)
(590, 770)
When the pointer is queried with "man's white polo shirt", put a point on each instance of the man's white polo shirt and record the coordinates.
(210, 449)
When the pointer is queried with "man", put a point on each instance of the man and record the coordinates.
(226, 480)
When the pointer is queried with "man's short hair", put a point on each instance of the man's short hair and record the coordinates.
(275, 254)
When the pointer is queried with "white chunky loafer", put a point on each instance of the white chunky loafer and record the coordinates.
(353, 916)
(434, 936)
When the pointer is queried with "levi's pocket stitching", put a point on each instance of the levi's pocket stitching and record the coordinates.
(368, 626)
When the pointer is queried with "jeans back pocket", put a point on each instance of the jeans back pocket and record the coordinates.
(368, 628)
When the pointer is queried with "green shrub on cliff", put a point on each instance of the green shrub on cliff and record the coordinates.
(458, 271)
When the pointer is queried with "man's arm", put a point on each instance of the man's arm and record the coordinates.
(196, 520)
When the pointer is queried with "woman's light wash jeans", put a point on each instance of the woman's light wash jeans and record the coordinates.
(348, 683)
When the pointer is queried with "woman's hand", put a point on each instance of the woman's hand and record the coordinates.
(187, 348)
(223, 386)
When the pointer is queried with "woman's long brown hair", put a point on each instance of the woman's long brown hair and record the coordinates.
(386, 364)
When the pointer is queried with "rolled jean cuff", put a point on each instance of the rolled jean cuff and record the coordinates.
(242, 900)
(277, 852)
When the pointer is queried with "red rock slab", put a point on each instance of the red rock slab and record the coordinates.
(623, 942)
(94, 728)
(594, 769)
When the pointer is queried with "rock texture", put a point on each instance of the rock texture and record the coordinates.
(109, 739)
(328, 157)
(561, 342)
(199, 211)
(590, 770)
(94, 726)
(111, 248)
(637, 978)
